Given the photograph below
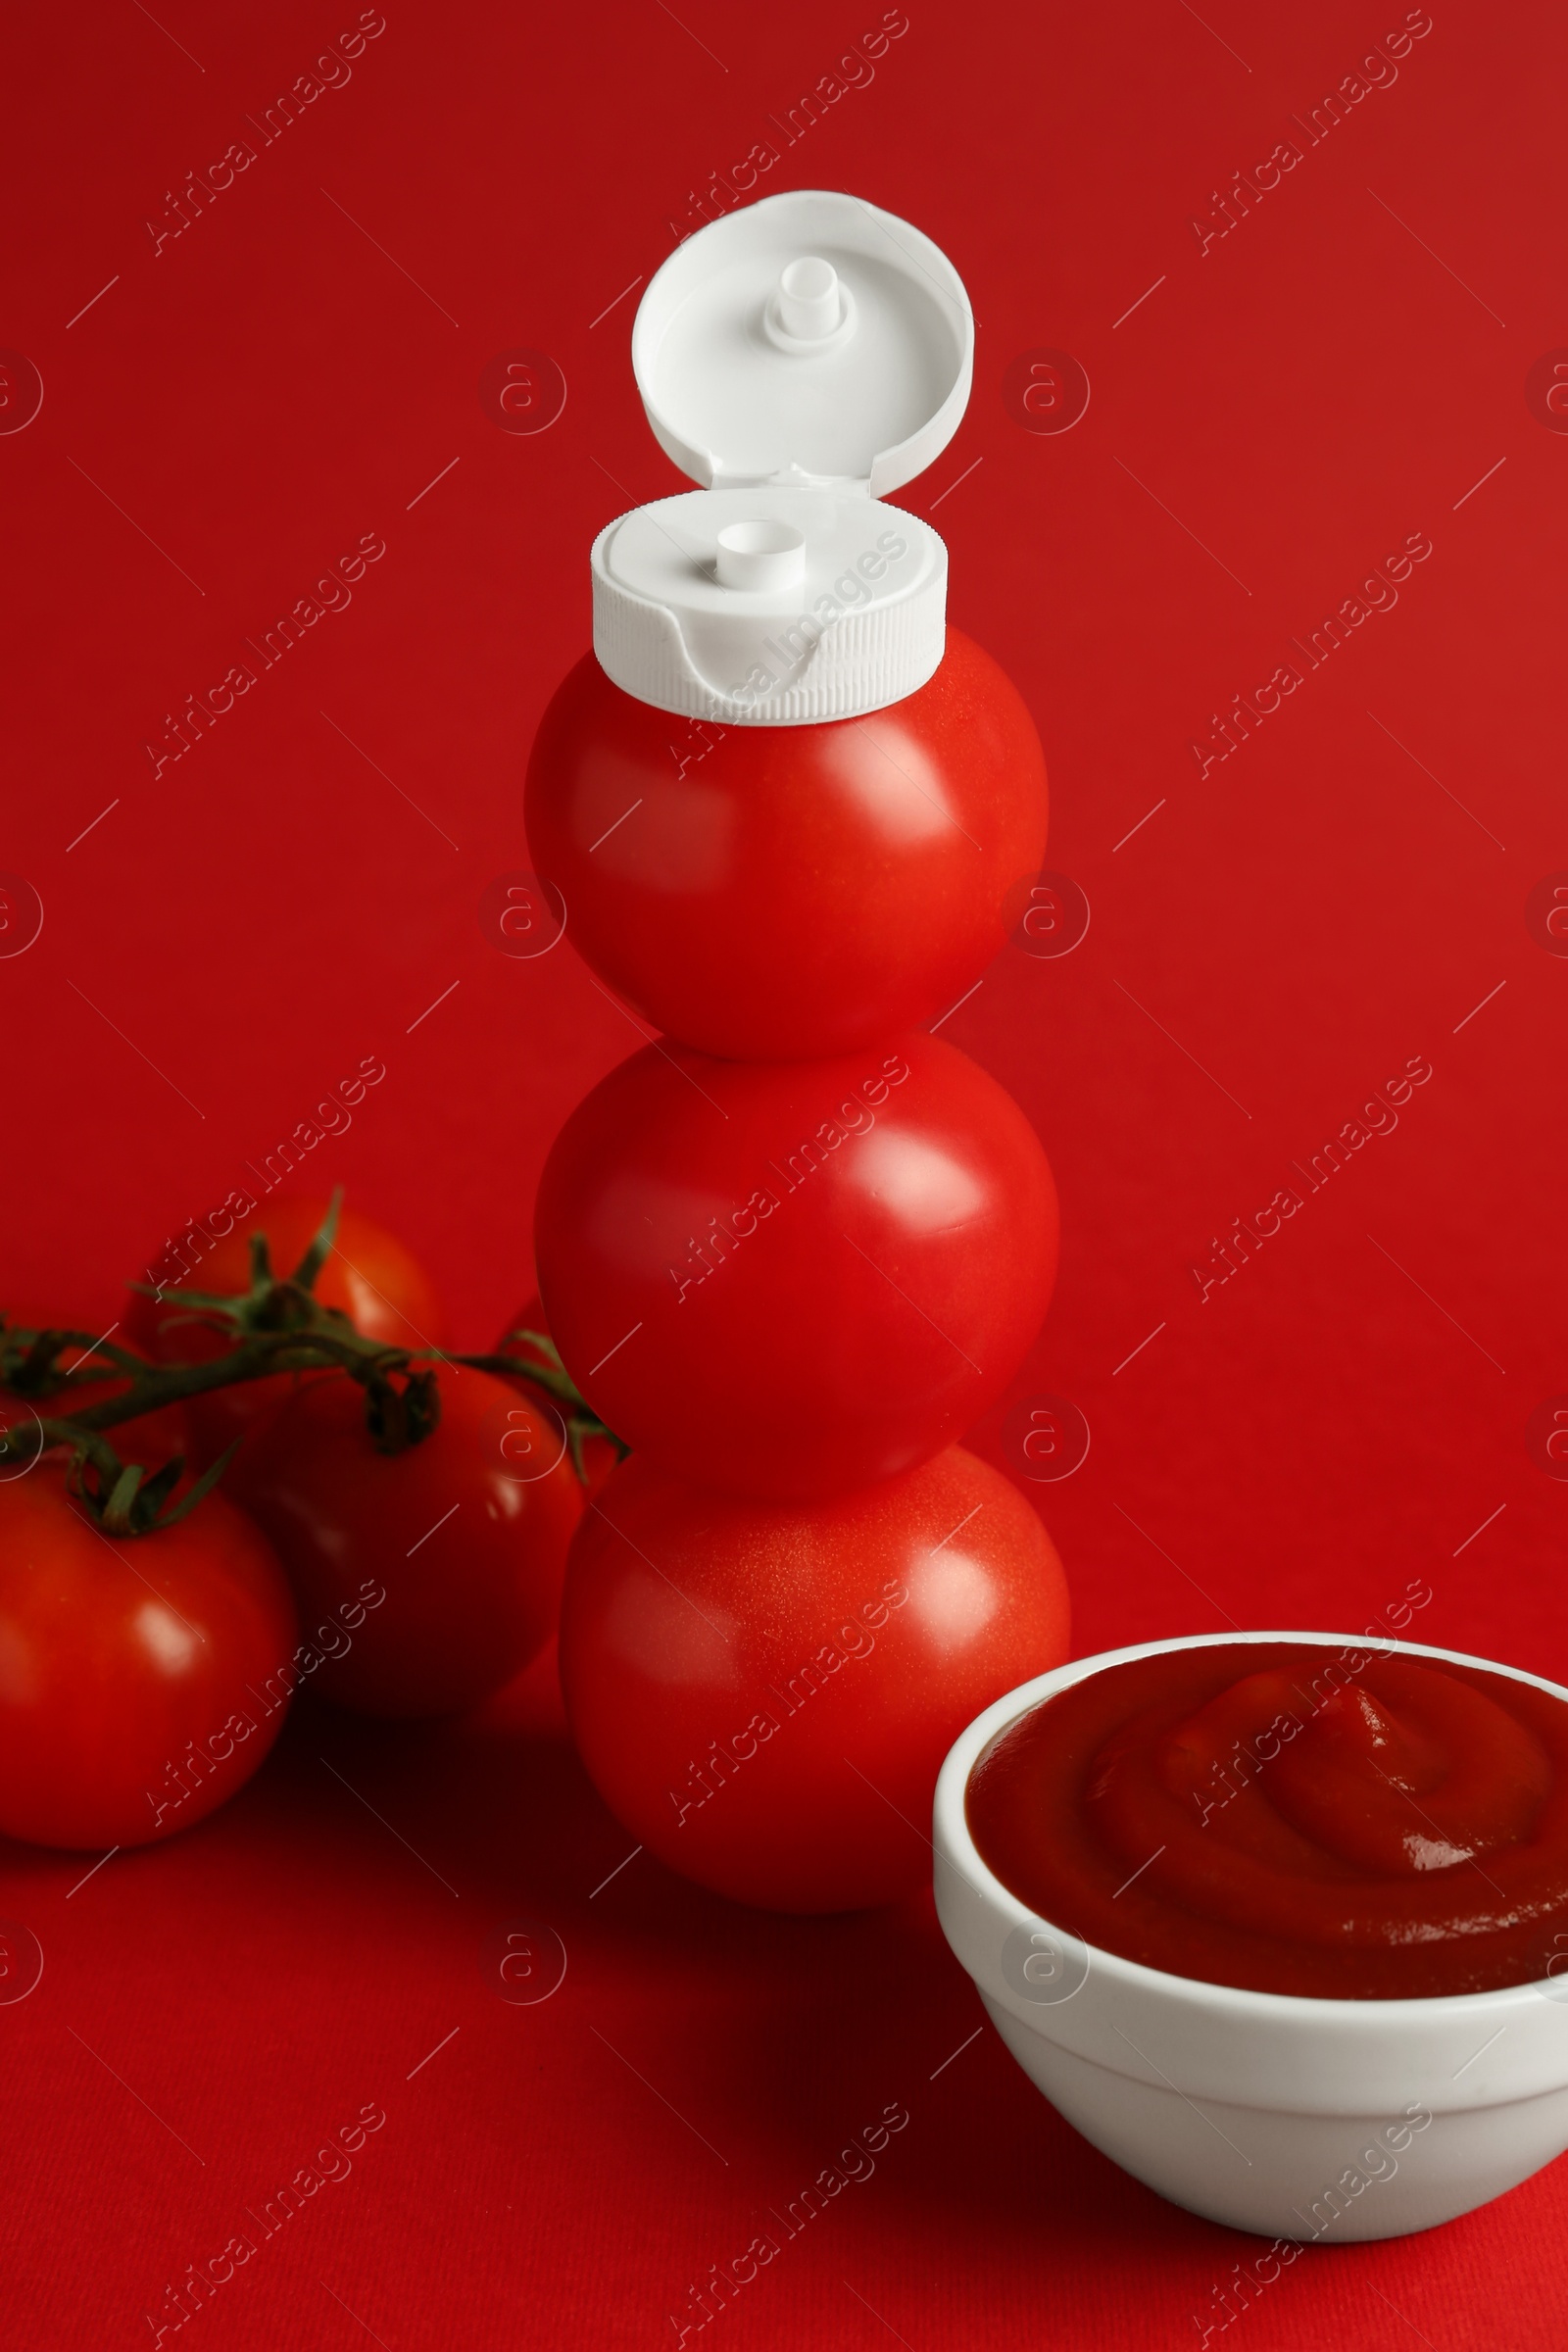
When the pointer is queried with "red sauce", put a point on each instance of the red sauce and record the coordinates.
(1292, 1818)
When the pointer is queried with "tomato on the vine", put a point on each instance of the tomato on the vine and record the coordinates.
(465, 1534)
(143, 1678)
(380, 1286)
(152, 1439)
(763, 1693)
(778, 892)
(793, 1277)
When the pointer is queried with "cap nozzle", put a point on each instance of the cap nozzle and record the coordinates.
(808, 304)
(761, 553)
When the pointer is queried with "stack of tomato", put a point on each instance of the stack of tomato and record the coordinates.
(790, 1255)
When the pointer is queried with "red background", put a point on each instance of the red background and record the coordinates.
(1277, 416)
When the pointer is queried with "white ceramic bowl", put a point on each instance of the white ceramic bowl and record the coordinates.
(1297, 2118)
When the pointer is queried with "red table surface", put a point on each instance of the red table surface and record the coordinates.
(1273, 412)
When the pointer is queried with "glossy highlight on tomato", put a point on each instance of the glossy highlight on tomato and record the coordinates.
(788, 893)
(134, 1670)
(1345, 1824)
(763, 1693)
(466, 1532)
(792, 1279)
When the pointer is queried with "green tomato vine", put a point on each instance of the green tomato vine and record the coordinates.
(277, 1326)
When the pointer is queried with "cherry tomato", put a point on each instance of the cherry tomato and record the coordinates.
(599, 1454)
(380, 1286)
(151, 1440)
(143, 1678)
(464, 1535)
(783, 893)
(763, 1695)
(791, 1279)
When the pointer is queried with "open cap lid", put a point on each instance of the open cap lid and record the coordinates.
(811, 340)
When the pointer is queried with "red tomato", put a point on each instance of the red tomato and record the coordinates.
(381, 1288)
(142, 1678)
(791, 1279)
(782, 892)
(763, 1694)
(151, 1440)
(464, 1537)
(599, 1455)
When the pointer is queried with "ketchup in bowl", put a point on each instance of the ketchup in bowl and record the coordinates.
(1290, 1818)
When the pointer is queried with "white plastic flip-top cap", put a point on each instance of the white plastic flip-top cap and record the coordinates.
(811, 339)
(811, 352)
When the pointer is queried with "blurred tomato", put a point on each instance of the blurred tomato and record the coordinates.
(143, 1678)
(380, 1284)
(464, 1535)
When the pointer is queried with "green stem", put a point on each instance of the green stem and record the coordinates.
(583, 1422)
(256, 1357)
(25, 1444)
(559, 1384)
(279, 1326)
(276, 1326)
(37, 1365)
(120, 1509)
